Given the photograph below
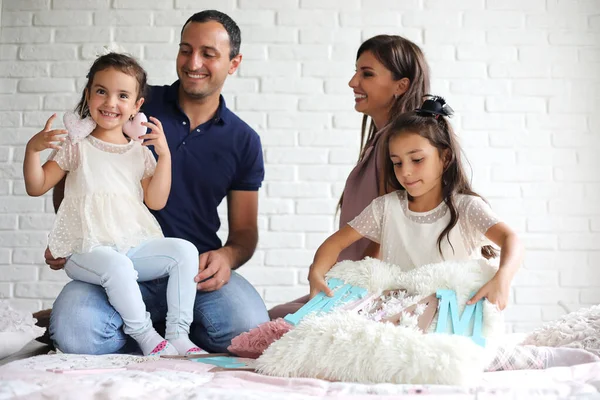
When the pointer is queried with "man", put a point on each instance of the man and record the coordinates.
(214, 155)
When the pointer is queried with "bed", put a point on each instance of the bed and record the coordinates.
(129, 376)
(36, 373)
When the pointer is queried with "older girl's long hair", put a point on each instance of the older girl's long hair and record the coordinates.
(440, 134)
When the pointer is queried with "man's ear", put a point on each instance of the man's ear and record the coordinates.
(234, 64)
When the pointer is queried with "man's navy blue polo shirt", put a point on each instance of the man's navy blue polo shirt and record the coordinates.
(208, 161)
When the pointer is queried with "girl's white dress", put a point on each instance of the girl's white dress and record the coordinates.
(409, 239)
(103, 202)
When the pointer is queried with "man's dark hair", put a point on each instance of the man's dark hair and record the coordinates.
(235, 36)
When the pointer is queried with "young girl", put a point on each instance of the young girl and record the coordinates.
(433, 215)
(103, 226)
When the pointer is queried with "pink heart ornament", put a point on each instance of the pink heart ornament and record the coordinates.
(134, 128)
(77, 128)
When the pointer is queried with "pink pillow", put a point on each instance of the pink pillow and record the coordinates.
(253, 343)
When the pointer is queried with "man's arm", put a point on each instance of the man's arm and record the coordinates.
(216, 265)
(58, 194)
(57, 197)
(242, 214)
(242, 210)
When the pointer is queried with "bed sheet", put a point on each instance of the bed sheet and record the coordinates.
(127, 376)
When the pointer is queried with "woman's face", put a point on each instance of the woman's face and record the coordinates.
(374, 88)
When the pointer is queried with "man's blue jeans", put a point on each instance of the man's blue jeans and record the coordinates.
(83, 321)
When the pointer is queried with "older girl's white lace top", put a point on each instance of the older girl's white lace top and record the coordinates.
(409, 239)
(103, 202)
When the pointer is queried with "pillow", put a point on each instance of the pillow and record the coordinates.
(348, 346)
(17, 328)
(253, 343)
(577, 330)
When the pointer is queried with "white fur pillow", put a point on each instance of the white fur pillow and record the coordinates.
(464, 277)
(17, 328)
(345, 346)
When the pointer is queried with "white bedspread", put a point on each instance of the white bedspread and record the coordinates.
(130, 377)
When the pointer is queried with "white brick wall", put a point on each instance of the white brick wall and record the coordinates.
(523, 77)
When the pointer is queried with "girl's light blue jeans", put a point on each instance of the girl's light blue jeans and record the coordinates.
(84, 322)
(119, 275)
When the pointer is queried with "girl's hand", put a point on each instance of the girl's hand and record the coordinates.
(47, 138)
(317, 283)
(496, 291)
(156, 137)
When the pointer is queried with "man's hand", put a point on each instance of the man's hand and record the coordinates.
(214, 269)
(54, 263)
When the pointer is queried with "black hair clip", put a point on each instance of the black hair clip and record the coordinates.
(435, 106)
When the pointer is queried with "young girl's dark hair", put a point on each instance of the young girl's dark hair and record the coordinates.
(440, 134)
(121, 62)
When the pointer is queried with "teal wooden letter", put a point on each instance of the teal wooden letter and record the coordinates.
(460, 324)
(321, 303)
(222, 361)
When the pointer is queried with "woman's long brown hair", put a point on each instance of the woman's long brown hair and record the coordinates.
(403, 59)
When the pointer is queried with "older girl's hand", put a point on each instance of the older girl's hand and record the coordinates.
(318, 283)
(496, 291)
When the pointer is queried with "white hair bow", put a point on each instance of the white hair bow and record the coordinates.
(112, 47)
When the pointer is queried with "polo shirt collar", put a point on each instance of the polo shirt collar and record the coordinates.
(222, 115)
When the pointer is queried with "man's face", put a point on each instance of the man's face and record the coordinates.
(203, 60)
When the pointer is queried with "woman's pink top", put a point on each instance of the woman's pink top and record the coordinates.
(360, 190)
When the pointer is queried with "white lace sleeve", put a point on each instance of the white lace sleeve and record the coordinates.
(67, 157)
(479, 215)
(370, 221)
(476, 217)
(149, 163)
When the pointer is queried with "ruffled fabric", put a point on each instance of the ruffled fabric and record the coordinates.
(83, 223)
(104, 198)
